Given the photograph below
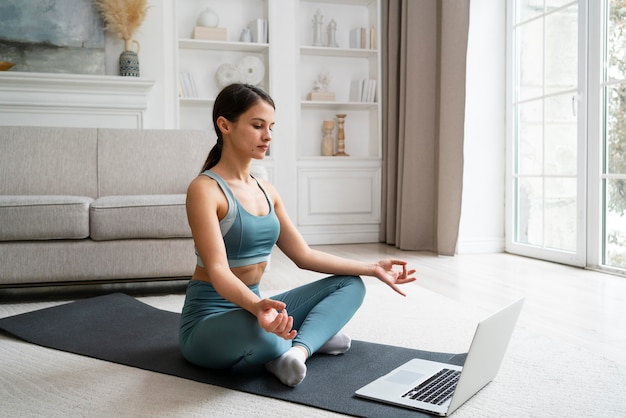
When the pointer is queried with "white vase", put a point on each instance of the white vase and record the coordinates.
(246, 36)
(208, 18)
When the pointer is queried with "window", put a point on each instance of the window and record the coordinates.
(545, 98)
(612, 88)
(566, 171)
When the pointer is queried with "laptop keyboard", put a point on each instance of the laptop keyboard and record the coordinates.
(437, 389)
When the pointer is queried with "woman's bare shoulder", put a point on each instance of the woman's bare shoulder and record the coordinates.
(202, 182)
(202, 187)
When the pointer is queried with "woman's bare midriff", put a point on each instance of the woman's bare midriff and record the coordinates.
(249, 275)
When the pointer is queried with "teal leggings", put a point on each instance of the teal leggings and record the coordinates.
(216, 333)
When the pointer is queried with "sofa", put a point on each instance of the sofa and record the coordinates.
(86, 205)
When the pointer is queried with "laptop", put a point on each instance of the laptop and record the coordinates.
(440, 388)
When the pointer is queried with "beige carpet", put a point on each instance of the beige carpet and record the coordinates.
(540, 376)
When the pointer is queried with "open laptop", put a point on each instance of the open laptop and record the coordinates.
(440, 388)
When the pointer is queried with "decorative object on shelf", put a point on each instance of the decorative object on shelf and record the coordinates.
(249, 70)
(341, 144)
(318, 20)
(246, 36)
(5, 65)
(332, 31)
(327, 139)
(208, 18)
(227, 74)
(320, 89)
(209, 34)
(129, 59)
(123, 17)
(207, 28)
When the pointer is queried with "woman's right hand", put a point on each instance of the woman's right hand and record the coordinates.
(272, 317)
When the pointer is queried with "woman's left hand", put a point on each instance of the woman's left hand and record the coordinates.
(385, 272)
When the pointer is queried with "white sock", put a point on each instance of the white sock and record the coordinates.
(338, 344)
(290, 368)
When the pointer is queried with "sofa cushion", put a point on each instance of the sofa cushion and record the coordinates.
(48, 161)
(25, 218)
(149, 161)
(143, 216)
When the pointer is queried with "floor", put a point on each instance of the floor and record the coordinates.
(584, 307)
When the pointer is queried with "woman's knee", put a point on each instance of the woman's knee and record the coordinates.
(352, 286)
(355, 284)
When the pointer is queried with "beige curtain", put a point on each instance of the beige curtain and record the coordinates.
(423, 77)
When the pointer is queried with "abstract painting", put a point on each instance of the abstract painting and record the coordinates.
(52, 36)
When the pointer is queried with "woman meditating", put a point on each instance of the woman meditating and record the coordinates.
(236, 219)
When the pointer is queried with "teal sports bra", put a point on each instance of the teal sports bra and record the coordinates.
(248, 238)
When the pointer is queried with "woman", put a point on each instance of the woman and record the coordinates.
(235, 220)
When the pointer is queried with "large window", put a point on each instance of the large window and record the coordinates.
(567, 131)
(546, 135)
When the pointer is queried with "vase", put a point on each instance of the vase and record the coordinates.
(327, 139)
(208, 18)
(246, 36)
(129, 59)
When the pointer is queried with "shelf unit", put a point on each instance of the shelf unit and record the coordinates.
(344, 64)
(331, 199)
(339, 197)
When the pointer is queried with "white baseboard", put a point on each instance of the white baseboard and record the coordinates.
(480, 245)
(340, 234)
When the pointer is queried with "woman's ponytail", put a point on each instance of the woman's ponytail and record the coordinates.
(214, 155)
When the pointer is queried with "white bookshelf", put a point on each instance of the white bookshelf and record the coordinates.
(331, 199)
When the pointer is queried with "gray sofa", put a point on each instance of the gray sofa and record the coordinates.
(96, 205)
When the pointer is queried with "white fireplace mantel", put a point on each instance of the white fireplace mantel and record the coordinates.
(74, 100)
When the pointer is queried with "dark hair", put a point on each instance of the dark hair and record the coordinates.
(230, 103)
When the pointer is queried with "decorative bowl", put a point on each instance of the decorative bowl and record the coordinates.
(5, 65)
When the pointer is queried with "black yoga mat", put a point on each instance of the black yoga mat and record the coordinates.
(121, 329)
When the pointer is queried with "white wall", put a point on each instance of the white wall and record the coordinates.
(482, 212)
(157, 40)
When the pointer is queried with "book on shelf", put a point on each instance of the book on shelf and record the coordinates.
(258, 31)
(363, 38)
(363, 91)
(187, 85)
(209, 34)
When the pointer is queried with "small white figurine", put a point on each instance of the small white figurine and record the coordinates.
(322, 82)
(332, 30)
(318, 20)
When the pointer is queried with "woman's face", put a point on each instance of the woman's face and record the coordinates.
(252, 133)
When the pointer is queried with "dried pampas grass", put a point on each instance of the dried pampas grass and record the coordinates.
(122, 17)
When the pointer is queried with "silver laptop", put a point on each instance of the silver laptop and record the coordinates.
(440, 388)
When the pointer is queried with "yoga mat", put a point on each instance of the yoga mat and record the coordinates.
(120, 329)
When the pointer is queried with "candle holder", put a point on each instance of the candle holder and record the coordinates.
(341, 144)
